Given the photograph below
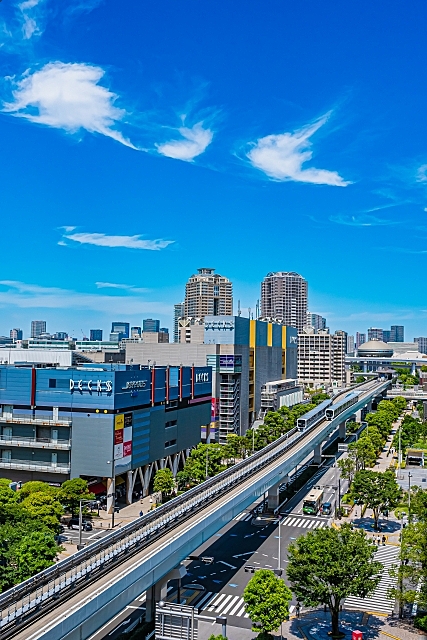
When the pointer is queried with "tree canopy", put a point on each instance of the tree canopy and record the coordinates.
(267, 600)
(328, 565)
(72, 491)
(164, 482)
(377, 490)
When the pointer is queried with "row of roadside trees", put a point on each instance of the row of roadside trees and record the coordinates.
(207, 460)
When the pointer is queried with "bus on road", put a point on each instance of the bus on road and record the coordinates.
(312, 502)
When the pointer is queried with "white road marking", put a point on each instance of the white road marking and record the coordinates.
(227, 564)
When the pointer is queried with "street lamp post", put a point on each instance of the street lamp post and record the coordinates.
(409, 497)
(81, 521)
(207, 457)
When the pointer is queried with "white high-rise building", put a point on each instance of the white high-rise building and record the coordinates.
(284, 298)
(208, 294)
(321, 357)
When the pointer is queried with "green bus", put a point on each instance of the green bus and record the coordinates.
(313, 502)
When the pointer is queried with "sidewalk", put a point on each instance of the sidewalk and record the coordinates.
(391, 526)
(315, 625)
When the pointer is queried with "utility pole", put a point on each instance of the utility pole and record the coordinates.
(207, 456)
(409, 497)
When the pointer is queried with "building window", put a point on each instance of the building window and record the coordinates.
(171, 423)
(52, 383)
(170, 443)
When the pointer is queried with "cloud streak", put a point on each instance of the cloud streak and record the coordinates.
(30, 296)
(127, 242)
(361, 221)
(68, 96)
(282, 156)
(194, 141)
(126, 287)
(31, 11)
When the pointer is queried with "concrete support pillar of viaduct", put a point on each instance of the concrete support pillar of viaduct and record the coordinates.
(358, 415)
(317, 457)
(273, 494)
(111, 487)
(159, 591)
(342, 430)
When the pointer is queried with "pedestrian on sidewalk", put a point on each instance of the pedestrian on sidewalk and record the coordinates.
(384, 540)
(297, 609)
(141, 513)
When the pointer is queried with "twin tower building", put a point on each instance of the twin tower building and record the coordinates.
(245, 351)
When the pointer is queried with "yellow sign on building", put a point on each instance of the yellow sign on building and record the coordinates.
(119, 421)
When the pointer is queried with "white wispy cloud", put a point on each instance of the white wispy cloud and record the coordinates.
(22, 295)
(31, 14)
(126, 287)
(282, 156)
(422, 173)
(68, 96)
(193, 142)
(361, 221)
(128, 242)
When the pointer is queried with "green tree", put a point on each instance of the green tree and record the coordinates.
(364, 452)
(327, 565)
(35, 486)
(218, 637)
(195, 466)
(348, 468)
(45, 508)
(376, 490)
(72, 491)
(410, 573)
(25, 549)
(267, 600)
(360, 379)
(164, 482)
(375, 437)
(400, 403)
(238, 446)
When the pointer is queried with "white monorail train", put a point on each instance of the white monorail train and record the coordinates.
(340, 407)
(311, 418)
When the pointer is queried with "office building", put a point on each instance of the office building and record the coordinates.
(350, 345)
(68, 422)
(37, 328)
(375, 334)
(316, 321)
(422, 344)
(191, 331)
(150, 325)
(208, 294)
(61, 335)
(360, 339)
(135, 332)
(397, 333)
(95, 335)
(244, 354)
(321, 358)
(16, 334)
(386, 335)
(179, 311)
(284, 299)
(121, 329)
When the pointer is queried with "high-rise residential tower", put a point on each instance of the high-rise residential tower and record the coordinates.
(37, 328)
(374, 333)
(284, 297)
(208, 294)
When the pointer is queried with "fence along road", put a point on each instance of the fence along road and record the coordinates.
(72, 599)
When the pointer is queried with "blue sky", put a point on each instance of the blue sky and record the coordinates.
(142, 140)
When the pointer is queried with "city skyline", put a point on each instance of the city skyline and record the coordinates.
(273, 150)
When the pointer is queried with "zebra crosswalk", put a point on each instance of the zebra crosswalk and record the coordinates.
(243, 517)
(303, 523)
(379, 600)
(223, 604)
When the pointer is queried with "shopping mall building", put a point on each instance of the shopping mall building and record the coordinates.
(100, 422)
